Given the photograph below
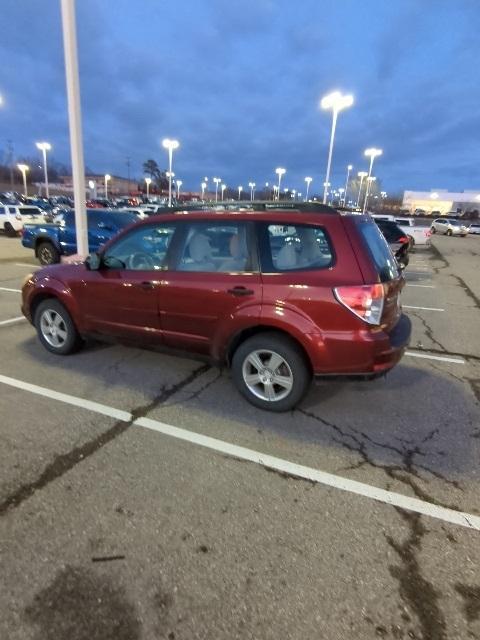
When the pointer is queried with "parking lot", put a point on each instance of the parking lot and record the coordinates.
(142, 497)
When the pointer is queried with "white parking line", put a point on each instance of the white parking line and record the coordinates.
(423, 286)
(270, 462)
(12, 320)
(432, 357)
(11, 290)
(408, 306)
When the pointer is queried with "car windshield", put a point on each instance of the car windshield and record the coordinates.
(379, 250)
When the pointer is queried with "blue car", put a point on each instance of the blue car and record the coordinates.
(51, 241)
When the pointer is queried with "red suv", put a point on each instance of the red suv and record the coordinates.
(279, 296)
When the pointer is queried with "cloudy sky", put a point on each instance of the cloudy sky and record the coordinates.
(238, 82)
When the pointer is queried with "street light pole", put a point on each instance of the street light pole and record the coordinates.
(308, 180)
(24, 168)
(349, 168)
(280, 172)
(148, 182)
(170, 145)
(106, 179)
(240, 189)
(179, 184)
(75, 124)
(44, 147)
(217, 182)
(371, 153)
(252, 189)
(224, 186)
(370, 179)
(361, 175)
(204, 186)
(336, 102)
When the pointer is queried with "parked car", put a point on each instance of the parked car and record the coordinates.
(474, 228)
(417, 234)
(13, 217)
(280, 297)
(449, 227)
(51, 241)
(397, 239)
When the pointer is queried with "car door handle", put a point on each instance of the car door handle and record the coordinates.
(241, 291)
(147, 284)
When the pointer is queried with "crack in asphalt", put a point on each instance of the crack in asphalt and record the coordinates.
(416, 591)
(66, 461)
(407, 473)
(468, 291)
(428, 330)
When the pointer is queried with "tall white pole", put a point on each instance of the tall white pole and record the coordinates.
(25, 191)
(170, 154)
(359, 191)
(329, 162)
(349, 168)
(45, 172)
(75, 124)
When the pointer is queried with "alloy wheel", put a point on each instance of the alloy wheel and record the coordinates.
(267, 375)
(53, 328)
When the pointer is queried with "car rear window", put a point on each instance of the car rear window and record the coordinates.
(295, 247)
(379, 250)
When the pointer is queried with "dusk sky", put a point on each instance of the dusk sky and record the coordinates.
(238, 84)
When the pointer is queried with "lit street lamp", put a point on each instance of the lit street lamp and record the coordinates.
(308, 180)
(349, 168)
(240, 189)
(224, 186)
(107, 178)
(336, 102)
(24, 168)
(280, 172)
(217, 181)
(371, 153)
(370, 179)
(204, 186)
(148, 182)
(293, 193)
(252, 189)
(170, 145)
(93, 190)
(179, 184)
(361, 175)
(44, 147)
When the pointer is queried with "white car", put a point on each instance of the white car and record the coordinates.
(449, 227)
(418, 235)
(12, 217)
(474, 228)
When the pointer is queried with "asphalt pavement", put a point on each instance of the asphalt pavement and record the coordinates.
(141, 497)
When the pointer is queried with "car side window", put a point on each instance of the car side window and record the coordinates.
(297, 247)
(142, 249)
(12, 209)
(2, 210)
(220, 248)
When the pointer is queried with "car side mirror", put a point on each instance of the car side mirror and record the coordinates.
(93, 262)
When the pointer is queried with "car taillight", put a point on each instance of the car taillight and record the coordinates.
(365, 301)
(403, 239)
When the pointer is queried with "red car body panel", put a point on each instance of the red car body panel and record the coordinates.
(201, 312)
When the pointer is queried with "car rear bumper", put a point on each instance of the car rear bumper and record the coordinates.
(371, 353)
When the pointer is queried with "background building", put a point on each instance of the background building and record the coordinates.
(442, 201)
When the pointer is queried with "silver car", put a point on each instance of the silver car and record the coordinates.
(449, 227)
(474, 228)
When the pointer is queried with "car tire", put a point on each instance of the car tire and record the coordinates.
(9, 230)
(56, 329)
(257, 382)
(433, 230)
(47, 253)
(449, 232)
